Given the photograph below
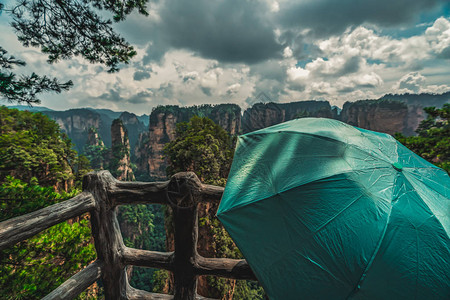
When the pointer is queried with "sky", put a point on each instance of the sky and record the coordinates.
(246, 51)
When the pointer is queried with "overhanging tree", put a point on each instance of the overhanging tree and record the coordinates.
(64, 29)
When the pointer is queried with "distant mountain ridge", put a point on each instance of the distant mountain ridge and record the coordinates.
(76, 122)
(389, 114)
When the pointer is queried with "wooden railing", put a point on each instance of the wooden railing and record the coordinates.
(100, 197)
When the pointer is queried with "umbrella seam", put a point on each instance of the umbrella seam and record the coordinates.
(272, 195)
(324, 138)
(437, 183)
(425, 203)
(372, 258)
(340, 212)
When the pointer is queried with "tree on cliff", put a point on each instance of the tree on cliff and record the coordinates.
(64, 29)
(207, 149)
(203, 147)
(35, 158)
(31, 145)
(433, 141)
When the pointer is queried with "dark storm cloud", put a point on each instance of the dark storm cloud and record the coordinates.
(229, 31)
(112, 95)
(445, 53)
(243, 31)
(352, 65)
(271, 81)
(206, 90)
(141, 97)
(326, 17)
(141, 75)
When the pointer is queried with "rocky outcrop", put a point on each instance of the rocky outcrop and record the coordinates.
(262, 115)
(421, 100)
(162, 129)
(388, 116)
(120, 164)
(134, 127)
(76, 124)
(95, 150)
(94, 138)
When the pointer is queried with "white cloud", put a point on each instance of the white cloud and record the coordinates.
(359, 63)
(415, 82)
(438, 37)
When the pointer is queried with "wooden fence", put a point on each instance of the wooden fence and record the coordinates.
(101, 195)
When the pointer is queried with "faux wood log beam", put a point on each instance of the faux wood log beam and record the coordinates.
(139, 192)
(149, 259)
(211, 193)
(183, 190)
(135, 294)
(224, 267)
(121, 192)
(106, 232)
(76, 284)
(20, 228)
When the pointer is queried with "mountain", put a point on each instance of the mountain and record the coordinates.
(388, 116)
(163, 120)
(148, 134)
(76, 123)
(29, 108)
(262, 115)
(422, 100)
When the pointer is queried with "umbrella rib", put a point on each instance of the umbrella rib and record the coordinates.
(322, 268)
(294, 187)
(340, 212)
(326, 138)
(424, 182)
(372, 258)
(424, 202)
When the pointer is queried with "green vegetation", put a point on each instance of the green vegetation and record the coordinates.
(433, 141)
(387, 103)
(97, 156)
(33, 268)
(31, 145)
(142, 227)
(35, 161)
(203, 147)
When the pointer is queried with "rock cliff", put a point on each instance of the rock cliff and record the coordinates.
(95, 150)
(263, 115)
(120, 164)
(93, 138)
(134, 127)
(162, 127)
(422, 100)
(388, 116)
(76, 124)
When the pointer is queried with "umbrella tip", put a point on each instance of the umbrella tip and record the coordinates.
(397, 166)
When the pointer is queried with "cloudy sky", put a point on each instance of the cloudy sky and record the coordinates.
(232, 51)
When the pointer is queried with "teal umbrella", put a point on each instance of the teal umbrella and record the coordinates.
(324, 210)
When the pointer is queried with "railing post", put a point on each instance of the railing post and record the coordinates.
(106, 232)
(183, 201)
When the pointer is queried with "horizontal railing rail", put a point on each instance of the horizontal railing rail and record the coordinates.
(22, 227)
(101, 195)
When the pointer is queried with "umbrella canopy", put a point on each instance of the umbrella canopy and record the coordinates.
(324, 210)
